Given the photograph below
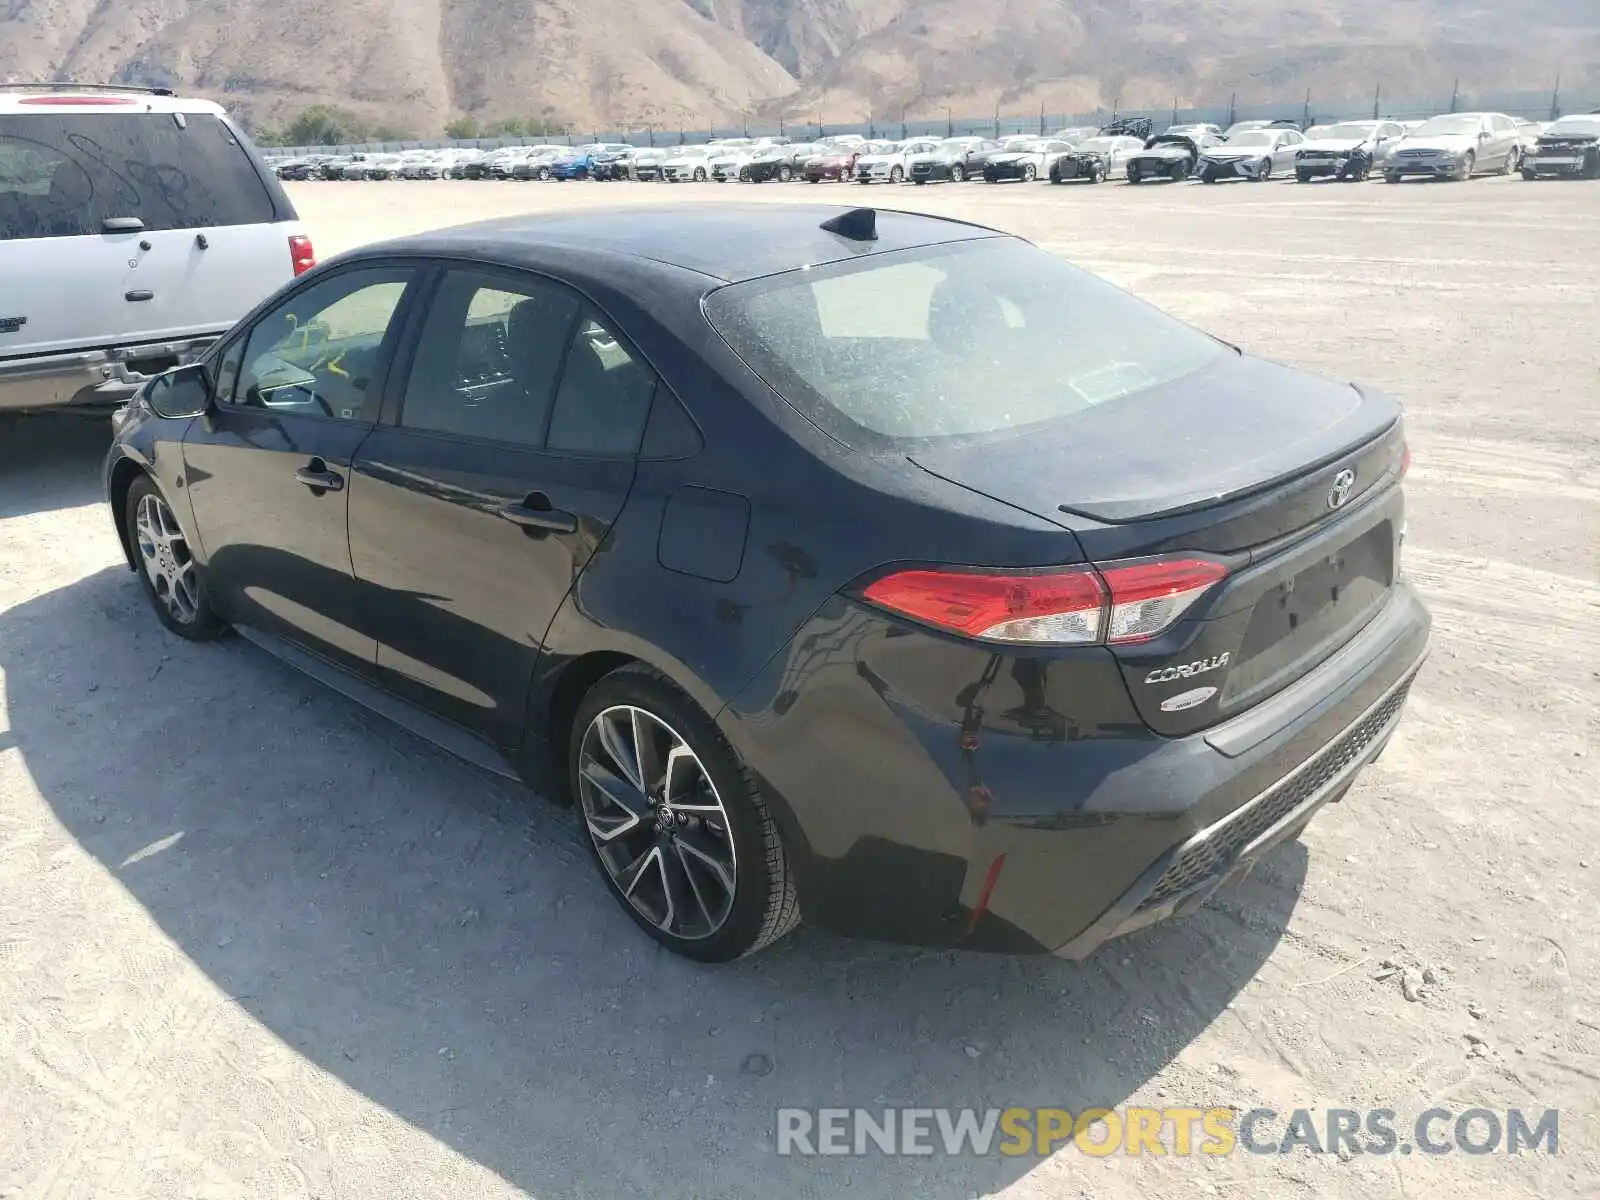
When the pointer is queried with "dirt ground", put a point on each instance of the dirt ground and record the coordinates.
(254, 942)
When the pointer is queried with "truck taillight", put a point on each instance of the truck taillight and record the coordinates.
(1108, 603)
(301, 253)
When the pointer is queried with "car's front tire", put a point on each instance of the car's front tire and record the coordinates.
(958, 173)
(172, 579)
(676, 821)
(1029, 172)
(785, 174)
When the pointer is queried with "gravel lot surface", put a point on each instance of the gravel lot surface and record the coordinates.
(257, 943)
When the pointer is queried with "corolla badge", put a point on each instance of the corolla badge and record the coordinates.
(1189, 670)
(1190, 699)
(1343, 484)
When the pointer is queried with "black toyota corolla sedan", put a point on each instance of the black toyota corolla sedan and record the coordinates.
(703, 521)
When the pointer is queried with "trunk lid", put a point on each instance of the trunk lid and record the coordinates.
(1289, 479)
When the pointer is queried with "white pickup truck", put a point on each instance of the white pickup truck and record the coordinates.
(136, 226)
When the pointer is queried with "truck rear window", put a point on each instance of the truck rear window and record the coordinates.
(64, 174)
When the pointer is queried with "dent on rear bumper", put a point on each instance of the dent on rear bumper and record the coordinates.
(904, 766)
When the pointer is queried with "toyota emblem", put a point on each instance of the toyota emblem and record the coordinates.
(1343, 484)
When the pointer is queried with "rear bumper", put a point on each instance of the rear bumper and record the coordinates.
(1006, 803)
(97, 378)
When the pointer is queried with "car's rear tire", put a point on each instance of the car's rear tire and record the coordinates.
(1178, 172)
(1391, 177)
(1302, 176)
(544, 174)
(692, 853)
(1530, 176)
(173, 581)
(699, 174)
(1513, 161)
(1135, 177)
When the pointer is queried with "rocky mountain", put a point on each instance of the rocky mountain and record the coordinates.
(633, 63)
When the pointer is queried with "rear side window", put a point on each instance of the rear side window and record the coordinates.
(64, 174)
(955, 341)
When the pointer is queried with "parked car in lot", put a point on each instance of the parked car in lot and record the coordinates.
(1096, 158)
(1170, 155)
(952, 160)
(1026, 162)
(1568, 147)
(1348, 150)
(644, 165)
(837, 163)
(110, 274)
(581, 162)
(727, 162)
(778, 162)
(533, 162)
(380, 167)
(1457, 146)
(892, 163)
(1253, 154)
(1160, 585)
(688, 164)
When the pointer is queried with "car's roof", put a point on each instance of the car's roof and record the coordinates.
(727, 242)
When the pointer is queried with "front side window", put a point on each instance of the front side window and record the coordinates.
(318, 352)
(65, 174)
(973, 338)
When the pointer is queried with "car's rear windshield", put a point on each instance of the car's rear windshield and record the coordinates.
(64, 174)
(961, 340)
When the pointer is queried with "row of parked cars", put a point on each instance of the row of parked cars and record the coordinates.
(1451, 146)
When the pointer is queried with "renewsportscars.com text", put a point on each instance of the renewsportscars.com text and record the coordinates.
(1164, 1131)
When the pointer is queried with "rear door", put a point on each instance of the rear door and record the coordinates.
(476, 505)
(118, 227)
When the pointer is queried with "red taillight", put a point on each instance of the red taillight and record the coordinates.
(1055, 606)
(1146, 598)
(301, 253)
(1072, 606)
(1405, 459)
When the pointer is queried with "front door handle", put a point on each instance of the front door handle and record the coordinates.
(316, 476)
(534, 512)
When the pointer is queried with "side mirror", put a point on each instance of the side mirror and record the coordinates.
(179, 393)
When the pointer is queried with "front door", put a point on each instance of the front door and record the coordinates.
(297, 392)
(474, 511)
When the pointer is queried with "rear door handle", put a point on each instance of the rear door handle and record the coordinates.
(534, 512)
(315, 475)
(138, 294)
